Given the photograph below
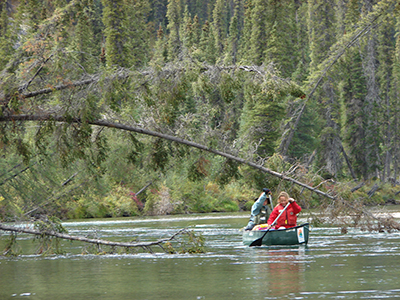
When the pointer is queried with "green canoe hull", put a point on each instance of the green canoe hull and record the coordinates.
(292, 236)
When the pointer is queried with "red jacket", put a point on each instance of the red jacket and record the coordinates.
(288, 218)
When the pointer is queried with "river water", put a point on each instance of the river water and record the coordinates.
(356, 265)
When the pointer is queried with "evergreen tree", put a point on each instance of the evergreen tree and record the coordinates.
(258, 39)
(281, 31)
(206, 51)
(138, 32)
(160, 51)
(174, 23)
(321, 25)
(353, 93)
(373, 104)
(395, 101)
(244, 53)
(263, 111)
(385, 57)
(7, 36)
(196, 31)
(186, 30)
(113, 16)
(83, 44)
(219, 26)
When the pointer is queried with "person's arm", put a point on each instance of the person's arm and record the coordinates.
(296, 208)
(256, 208)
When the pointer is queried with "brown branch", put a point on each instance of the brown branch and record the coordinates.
(26, 85)
(88, 240)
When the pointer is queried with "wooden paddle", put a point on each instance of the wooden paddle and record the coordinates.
(258, 242)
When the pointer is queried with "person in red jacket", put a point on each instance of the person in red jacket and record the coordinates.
(289, 217)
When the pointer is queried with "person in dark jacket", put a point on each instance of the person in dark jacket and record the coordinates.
(260, 210)
(289, 217)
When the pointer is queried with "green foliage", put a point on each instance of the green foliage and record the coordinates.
(11, 247)
(229, 171)
(159, 154)
(47, 244)
(155, 66)
(117, 203)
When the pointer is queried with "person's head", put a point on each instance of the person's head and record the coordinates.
(283, 198)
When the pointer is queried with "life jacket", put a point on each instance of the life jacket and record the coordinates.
(263, 216)
(288, 218)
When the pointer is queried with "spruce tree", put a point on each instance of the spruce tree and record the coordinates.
(244, 53)
(321, 26)
(219, 26)
(395, 100)
(187, 34)
(206, 51)
(160, 50)
(174, 22)
(258, 38)
(113, 16)
(281, 36)
(373, 103)
(232, 41)
(7, 36)
(385, 57)
(196, 27)
(85, 48)
(139, 41)
(353, 93)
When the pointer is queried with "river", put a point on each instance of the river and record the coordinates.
(356, 265)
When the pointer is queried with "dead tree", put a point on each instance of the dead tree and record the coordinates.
(144, 245)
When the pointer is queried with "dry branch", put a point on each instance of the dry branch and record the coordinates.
(88, 240)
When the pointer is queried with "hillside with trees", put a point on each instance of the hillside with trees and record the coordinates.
(128, 107)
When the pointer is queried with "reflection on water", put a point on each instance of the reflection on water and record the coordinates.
(358, 265)
(283, 270)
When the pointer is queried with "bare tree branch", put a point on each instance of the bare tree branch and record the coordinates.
(88, 240)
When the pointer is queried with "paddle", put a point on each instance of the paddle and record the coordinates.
(258, 242)
(270, 202)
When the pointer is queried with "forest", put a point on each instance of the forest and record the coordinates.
(113, 108)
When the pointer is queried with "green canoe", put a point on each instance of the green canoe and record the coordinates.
(291, 236)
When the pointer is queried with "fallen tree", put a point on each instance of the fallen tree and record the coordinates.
(109, 124)
(363, 218)
(195, 243)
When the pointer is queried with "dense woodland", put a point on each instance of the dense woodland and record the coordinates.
(308, 89)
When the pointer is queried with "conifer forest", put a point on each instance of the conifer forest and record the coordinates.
(113, 108)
